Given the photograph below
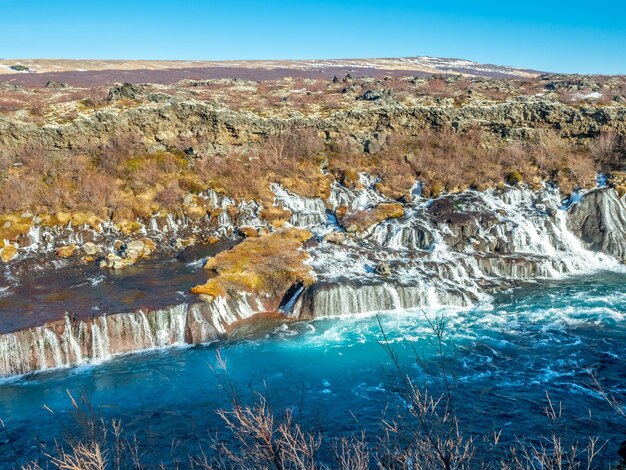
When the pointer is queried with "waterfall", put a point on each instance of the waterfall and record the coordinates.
(347, 298)
(70, 341)
(406, 233)
(451, 251)
(305, 211)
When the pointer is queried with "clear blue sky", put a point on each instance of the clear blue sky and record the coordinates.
(570, 36)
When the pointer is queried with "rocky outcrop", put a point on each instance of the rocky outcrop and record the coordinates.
(125, 91)
(599, 220)
(128, 254)
(165, 123)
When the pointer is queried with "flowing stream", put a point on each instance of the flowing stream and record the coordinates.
(509, 352)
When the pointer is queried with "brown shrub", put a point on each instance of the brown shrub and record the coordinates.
(8, 105)
(16, 193)
(171, 197)
(609, 150)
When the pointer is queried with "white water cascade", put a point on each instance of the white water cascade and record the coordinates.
(71, 341)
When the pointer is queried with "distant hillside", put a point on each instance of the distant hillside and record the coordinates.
(37, 72)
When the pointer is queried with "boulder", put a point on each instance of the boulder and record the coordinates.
(66, 251)
(91, 249)
(55, 84)
(382, 269)
(375, 95)
(248, 232)
(599, 220)
(114, 261)
(128, 254)
(7, 253)
(126, 91)
(135, 250)
(335, 237)
(182, 243)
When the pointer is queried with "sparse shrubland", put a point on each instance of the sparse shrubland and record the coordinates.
(124, 181)
(129, 177)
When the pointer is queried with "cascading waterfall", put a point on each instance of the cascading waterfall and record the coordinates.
(71, 341)
(499, 237)
(344, 298)
(355, 199)
(451, 251)
(305, 211)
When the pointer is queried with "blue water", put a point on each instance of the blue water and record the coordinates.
(334, 373)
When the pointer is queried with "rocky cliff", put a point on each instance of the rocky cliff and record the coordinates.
(169, 122)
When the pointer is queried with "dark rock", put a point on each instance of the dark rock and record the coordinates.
(126, 91)
(55, 84)
(382, 269)
(599, 220)
(373, 95)
(514, 118)
(371, 146)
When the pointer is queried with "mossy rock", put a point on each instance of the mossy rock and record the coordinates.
(66, 251)
(268, 264)
(248, 232)
(275, 215)
(13, 227)
(7, 253)
(514, 178)
(362, 220)
(129, 227)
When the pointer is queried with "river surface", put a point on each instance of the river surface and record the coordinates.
(38, 296)
(546, 338)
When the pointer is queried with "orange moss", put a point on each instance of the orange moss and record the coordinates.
(66, 251)
(269, 264)
(7, 253)
(248, 232)
(275, 215)
(13, 226)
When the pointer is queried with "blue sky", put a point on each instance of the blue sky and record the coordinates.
(553, 36)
